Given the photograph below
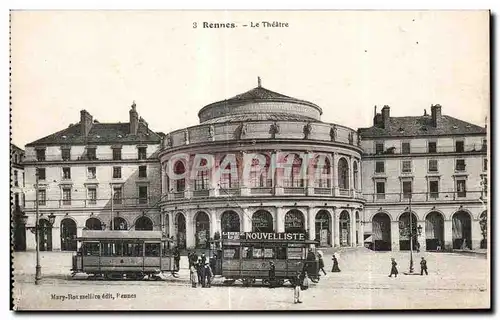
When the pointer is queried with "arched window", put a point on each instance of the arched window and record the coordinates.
(295, 179)
(355, 175)
(180, 184)
(228, 180)
(343, 174)
(322, 169)
(259, 174)
(119, 224)
(202, 182)
(144, 223)
(93, 224)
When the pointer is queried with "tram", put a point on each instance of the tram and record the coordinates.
(246, 256)
(119, 254)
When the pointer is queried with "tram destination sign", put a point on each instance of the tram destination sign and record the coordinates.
(271, 236)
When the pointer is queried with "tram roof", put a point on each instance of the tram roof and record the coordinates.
(121, 235)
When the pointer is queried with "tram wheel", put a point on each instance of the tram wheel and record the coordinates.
(247, 282)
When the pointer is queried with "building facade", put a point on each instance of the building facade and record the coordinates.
(17, 197)
(248, 143)
(434, 166)
(92, 175)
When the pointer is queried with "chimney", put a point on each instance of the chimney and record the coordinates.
(134, 120)
(385, 116)
(436, 115)
(85, 122)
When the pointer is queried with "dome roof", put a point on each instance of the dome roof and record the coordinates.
(260, 104)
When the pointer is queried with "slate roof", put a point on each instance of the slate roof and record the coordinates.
(260, 117)
(421, 126)
(100, 133)
(258, 94)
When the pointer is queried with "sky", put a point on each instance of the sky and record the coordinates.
(344, 61)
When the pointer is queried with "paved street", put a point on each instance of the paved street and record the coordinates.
(455, 281)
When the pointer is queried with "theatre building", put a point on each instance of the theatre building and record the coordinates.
(248, 138)
(425, 178)
(92, 175)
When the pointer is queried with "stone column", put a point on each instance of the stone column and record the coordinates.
(476, 234)
(353, 228)
(190, 232)
(214, 226)
(336, 228)
(332, 227)
(56, 234)
(335, 182)
(361, 232)
(448, 235)
(244, 186)
(421, 238)
(171, 226)
(395, 235)
(277, 183)
(279, 224)
(246, 221)
(310, 177)
(351, 177)
(311, 222)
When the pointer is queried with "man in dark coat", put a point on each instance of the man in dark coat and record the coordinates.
(272, 275)
(177, 259)
(321, 263)
(207, 275)
(423, 267)
(335, 267)
(394, 269)
(203, 259)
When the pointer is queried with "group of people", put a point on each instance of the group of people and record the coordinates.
(200, 270)
(394, 268)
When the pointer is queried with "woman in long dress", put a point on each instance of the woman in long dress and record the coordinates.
(335, 267)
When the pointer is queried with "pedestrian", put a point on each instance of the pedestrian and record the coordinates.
(423, 267)
(394, 269)
(194, 257)
(193, 276)
(207, 275)
(438, 245)
(177, 259)
(199, 271)
(418, 246)
(203, 259)
(272, 275)
(190, 262)
(322, 263)
(335, 267)
(297, 288)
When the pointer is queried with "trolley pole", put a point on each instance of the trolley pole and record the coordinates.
(38, 268)
(112, 202)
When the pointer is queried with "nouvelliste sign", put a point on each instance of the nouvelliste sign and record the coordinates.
(270, 236)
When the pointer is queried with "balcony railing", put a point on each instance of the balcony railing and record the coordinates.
(261, 191)
(294, 190)
(475, 147)
(84, 203)
(424, 196)
(201, 193)
(323, 191)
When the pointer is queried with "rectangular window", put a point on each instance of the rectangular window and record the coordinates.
(117, 153)
(461, 189)
(16, 179)
(484, 146)
(406, 148)
(141, 153)
(485, 164)
(91, 154)
(432, 147)
(92, 195)
(41, 173)
(66, 154)
(42, 197)
(406, 166)
(117, 195)
(459, 146)
(66, 173)
(434, 189)
(117, 172)
(143, 194)
(143, 172)
(66, 196)
(380, 190)
(40, 154)
(460, 165)
(91, 173)
(379, 167)
(433, 165)
(379, 147)
(407, 189)
(201, 182)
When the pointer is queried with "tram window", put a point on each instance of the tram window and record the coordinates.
(281, 253)
(90, 249)
(269, 253)
(231, 253)
(257, 253)
(106, 249)
(246, 252)
(152, 249)
(295, 253)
